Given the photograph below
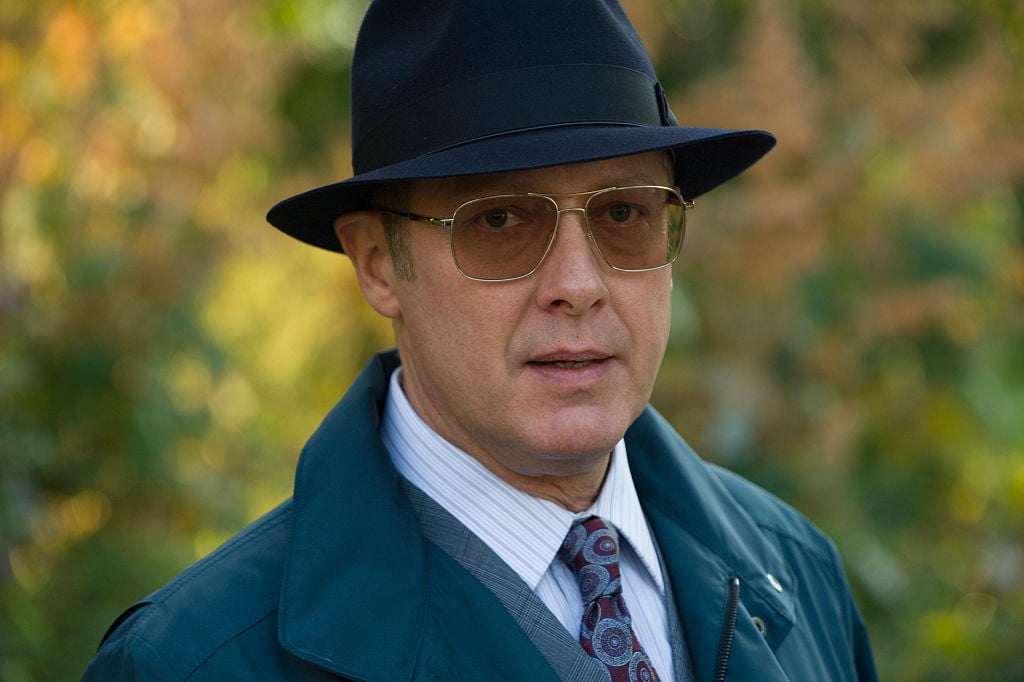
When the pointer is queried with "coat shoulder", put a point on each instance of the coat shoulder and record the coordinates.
(724, 494)
(231, 593)
(775, 516)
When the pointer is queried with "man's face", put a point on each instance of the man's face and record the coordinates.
(539, 376)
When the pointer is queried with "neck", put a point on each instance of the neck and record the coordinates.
(574, 492)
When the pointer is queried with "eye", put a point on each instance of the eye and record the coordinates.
(621, 213)
(503, 215)
(496, 218)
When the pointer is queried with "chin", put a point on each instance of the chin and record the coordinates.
(579, 447)
(585, 427)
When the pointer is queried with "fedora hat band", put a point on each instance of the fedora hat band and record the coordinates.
(513, 101)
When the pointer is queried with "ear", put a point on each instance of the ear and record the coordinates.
(362, 237)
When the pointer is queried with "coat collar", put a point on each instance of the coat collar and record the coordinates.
(343, 506)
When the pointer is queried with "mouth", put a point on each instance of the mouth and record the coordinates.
(573, 370)
(571, 364)
(574, 361)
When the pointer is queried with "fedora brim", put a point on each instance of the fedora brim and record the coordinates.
(705, 158)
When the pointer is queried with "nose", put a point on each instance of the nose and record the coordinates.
(571, 277)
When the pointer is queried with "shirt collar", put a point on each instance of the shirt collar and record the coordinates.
(524, 531)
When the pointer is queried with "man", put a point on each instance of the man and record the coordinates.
(496, 500)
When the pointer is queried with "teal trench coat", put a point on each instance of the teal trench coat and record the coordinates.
(339, 582)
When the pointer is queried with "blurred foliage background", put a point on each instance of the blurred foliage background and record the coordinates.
(849, 326)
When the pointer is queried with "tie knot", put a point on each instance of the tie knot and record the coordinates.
(591, 550)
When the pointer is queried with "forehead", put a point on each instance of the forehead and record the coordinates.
(652, 168)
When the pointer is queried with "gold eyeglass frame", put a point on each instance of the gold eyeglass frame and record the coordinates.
(447, 223)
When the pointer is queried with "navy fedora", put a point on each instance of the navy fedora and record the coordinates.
(443, 88)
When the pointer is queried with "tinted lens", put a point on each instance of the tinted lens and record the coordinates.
(637, 228)
(502, 237)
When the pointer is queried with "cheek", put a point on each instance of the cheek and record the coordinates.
(453, 323)
(656, 341)
(650, 314)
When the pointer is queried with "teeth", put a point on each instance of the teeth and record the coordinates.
(566, 364)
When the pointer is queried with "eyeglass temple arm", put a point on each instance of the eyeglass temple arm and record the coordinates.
(436, 222)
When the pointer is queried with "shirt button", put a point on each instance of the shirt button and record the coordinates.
(774, 582)
(760, 625)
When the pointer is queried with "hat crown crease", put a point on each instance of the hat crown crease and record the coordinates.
(508, 102)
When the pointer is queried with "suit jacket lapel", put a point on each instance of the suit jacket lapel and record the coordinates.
(560, 649)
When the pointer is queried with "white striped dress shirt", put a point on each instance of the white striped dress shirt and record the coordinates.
(526, 531)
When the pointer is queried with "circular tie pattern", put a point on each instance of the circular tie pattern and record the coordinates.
(573, 542)
(640, 668)
(593, 580)
(612, 642)
(601, 547)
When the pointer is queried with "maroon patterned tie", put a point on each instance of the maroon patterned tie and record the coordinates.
(591, 549)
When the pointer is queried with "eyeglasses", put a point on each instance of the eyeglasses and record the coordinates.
(506, 237)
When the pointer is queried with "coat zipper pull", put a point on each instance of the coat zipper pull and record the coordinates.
(732, 607)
